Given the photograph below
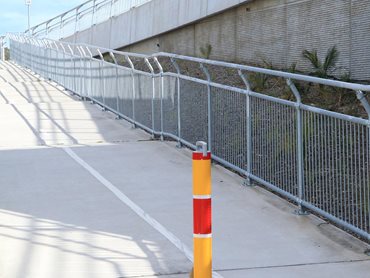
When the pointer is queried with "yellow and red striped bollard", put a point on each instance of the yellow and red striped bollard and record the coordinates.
(202, 212)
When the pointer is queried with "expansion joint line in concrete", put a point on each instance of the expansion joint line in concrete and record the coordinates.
(164, 275)
(134, 207)
(290, 265)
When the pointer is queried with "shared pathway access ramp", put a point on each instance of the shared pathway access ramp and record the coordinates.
(86, 195)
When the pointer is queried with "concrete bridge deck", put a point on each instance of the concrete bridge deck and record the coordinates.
(84, 195)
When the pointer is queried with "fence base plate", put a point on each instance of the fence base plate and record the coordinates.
(301, 212)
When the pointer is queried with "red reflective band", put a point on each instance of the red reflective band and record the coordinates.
(199, 156)
(202, 213)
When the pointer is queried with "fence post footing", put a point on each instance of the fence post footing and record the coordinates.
(301, 212)
(248, 182)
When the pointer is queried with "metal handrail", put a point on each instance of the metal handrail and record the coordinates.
(74, 15)
(344, 130)
(276, 73)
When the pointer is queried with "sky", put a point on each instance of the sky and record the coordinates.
(13, 13)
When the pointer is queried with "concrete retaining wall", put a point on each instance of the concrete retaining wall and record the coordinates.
(273, 30)
(154, 18)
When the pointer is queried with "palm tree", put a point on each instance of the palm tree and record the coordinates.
(327, 67)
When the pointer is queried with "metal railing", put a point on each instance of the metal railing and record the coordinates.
(82, 17)
(2, 48)
(317, 158)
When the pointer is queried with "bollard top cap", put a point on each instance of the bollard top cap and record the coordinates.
(202, 147)
(201, 152)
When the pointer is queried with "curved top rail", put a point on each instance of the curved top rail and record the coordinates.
(288, 75)
(60, 15)
(90, 7)
(276, 73)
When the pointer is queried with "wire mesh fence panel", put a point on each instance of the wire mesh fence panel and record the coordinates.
(125, 91)
(143, 99)
(170, 105)
(229, 126)
(274, 144)
(337, 178)
(194, 111)
(318, 158)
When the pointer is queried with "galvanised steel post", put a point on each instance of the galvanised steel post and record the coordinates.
(30, 59)
(55, 52)
(102, 77)
(91, 74)
(85, 73)
(40, 60)
(248, 181)
(209, 106)
(45, 57)
(133, 88)
(2, 48)
(24, 49)
(22, 53)
(29, 51)
(26, 53)
(33, 61)
(55, 61)
(153, 102)
(162, 95)
(153, 93)
(80, 73)
(72, 62)
(175, 64)
(111, 54)
(365, 103)
(50, 59)
(300, 155)
(64, 65)
(347, 125)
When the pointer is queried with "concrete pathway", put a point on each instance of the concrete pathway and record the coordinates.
(84, 195)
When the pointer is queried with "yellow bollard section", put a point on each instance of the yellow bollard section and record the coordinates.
(202, 212)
